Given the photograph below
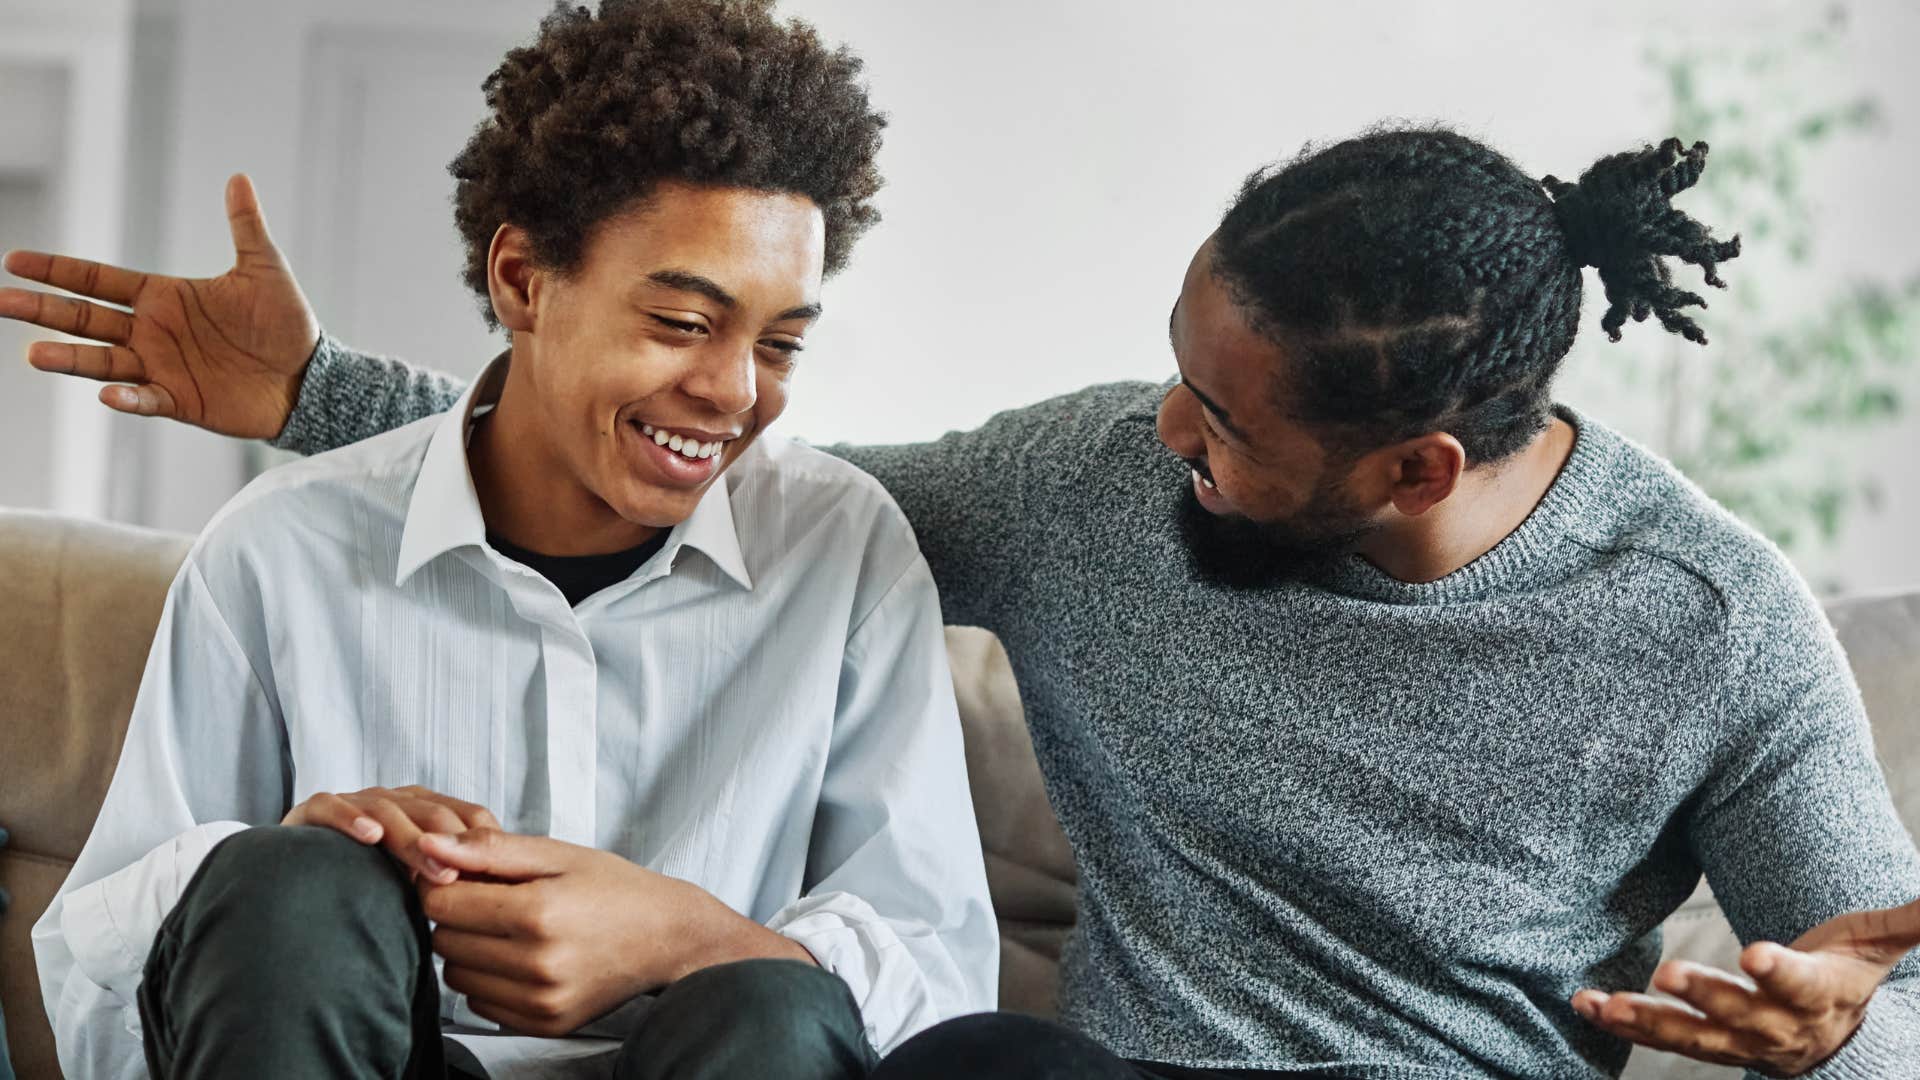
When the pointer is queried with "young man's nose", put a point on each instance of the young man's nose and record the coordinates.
(725, 379)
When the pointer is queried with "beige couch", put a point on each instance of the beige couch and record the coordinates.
(78, 604)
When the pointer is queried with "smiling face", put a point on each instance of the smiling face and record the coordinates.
(642, 374)
(1258, 475)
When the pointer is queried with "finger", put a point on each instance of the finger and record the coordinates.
(430, 816)
(472, 815)
(330, 811)
(1669, 1026)
(401, 837)
(1727, 999)
(508, 957)
(101, 281)
(146, 400)
(1801, 981)
(81, 318)
(110, 363)
(501, 854)
(507, 1017)
(481, 907)
(247, 221)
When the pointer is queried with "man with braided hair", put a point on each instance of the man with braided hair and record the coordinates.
(1393, 710)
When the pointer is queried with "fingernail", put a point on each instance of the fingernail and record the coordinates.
(435, 869)
(366, 829)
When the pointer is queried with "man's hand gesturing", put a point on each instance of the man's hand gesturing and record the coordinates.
(395, 819)
(224, 353)
(1795, 1007)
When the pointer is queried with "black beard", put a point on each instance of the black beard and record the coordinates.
(1236, 553)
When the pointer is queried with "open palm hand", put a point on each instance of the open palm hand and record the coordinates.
(223, 353)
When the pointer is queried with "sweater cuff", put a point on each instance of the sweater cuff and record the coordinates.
(303, 430)
(1876, 1051)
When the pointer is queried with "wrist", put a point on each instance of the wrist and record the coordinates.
(716, 934)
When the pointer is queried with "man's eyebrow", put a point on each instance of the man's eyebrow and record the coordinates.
(1213, 406)
(687, 281)
(804, 311)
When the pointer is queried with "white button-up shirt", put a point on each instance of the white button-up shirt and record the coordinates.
(763, 708)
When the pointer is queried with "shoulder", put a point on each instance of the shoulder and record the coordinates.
(1685, 540)
(312, 513)
(788, 488)
(799, 510)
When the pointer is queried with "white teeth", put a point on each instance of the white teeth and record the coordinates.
(1203, 480)
(692, 449)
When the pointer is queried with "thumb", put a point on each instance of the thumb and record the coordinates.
(1812, 981)
(248, 223)
(504, 855)
(1887, 935)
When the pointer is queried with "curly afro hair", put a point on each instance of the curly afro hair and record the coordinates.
(600, 108)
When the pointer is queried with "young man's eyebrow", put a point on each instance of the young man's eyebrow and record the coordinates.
(687, 281)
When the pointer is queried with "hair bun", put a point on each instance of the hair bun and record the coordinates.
(1619, 219)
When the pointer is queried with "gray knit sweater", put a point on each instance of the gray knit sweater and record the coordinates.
(1382, 829)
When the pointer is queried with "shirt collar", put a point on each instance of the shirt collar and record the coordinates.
(443, 513)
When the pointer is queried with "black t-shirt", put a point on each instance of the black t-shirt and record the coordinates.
(580, 576)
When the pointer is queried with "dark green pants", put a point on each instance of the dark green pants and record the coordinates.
(297, 953)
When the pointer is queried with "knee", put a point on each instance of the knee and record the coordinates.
(1007, 1046)
(768, 1018)
(300, 875)
(773, 999)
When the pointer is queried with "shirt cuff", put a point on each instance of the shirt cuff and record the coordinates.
(847, 937)
(1883, 1046)
(110, 925)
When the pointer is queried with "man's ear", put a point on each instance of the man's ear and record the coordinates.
(1423, 472)
(510, 277)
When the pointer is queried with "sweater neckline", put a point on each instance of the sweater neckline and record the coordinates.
(1539, 552)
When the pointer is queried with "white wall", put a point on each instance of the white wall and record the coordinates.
(1052, 166)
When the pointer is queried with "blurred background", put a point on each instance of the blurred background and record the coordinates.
(1052, 166)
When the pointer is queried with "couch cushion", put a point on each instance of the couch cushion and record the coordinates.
(81, 600)
(1029, 865)
(32, 879)
(78, 604)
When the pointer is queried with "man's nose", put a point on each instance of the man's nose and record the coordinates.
(1177, 423)
(725, 378)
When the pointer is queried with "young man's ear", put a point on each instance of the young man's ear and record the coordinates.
(510, 277)
(1423, 472)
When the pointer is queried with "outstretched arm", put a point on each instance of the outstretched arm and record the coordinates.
(240, 354)
(1802, 845)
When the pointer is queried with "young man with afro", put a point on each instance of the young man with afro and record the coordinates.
(588, 729)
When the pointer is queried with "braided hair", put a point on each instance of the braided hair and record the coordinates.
(1419, 281)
